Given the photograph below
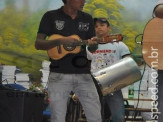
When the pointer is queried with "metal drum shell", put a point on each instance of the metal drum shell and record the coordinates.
(118, 75)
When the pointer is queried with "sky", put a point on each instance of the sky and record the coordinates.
(131, 4)
(141, 7)
(55, 4)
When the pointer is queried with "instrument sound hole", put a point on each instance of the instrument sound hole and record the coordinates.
(69, 48)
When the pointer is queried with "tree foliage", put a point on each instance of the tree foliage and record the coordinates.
(17, 35)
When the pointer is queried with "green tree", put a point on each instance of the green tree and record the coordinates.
(17, 34)
(109, 9)
(1, 44)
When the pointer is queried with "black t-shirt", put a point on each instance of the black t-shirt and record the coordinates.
(57, 22)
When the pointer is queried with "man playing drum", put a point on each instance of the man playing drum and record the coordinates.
(107, 54)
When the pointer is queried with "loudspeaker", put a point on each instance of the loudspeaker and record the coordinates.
(19, 106)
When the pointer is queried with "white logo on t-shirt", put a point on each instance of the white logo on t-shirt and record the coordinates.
(59, 24)
(83, 26)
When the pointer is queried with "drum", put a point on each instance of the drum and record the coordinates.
(117, 76)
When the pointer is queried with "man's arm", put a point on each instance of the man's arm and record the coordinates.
(42, 44)
(127, 55)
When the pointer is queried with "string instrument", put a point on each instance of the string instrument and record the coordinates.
(112, 38)
(152, 44)
(58, 52)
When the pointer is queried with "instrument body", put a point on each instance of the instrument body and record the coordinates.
(118, 75)
(152, 49)
(60, 51)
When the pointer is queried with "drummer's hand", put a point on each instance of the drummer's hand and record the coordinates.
(93, 44)
(74, 97)
(93, 41)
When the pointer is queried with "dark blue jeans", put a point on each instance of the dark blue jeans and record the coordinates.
(160, 94)
(115, 103)
(112, 105)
